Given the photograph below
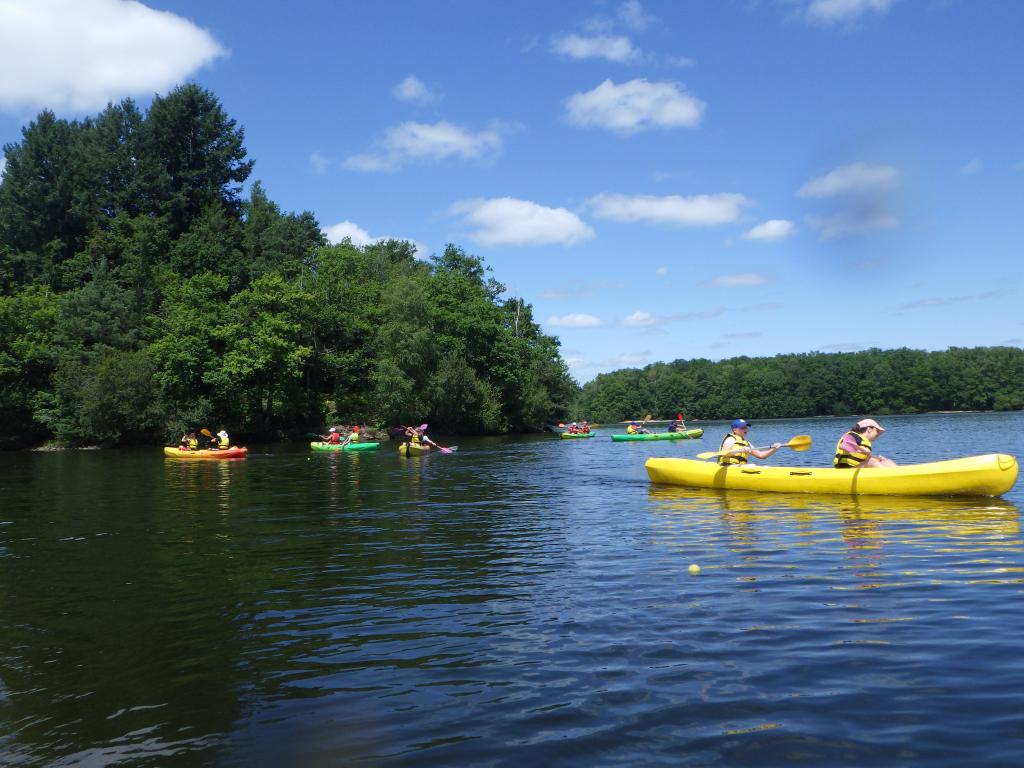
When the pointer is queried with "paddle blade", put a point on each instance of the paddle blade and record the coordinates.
(799, 443)
(707, 454)
(205, 431)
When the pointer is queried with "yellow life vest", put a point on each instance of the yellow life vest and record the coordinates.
(631, 430)
(223, 442)
(845, 459)
(354, 437)
(193, 444)
(733, 458)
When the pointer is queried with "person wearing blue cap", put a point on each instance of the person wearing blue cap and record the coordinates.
(739, 447)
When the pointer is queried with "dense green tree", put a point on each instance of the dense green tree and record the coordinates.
(40, 227)
(260, 373)
(276, 241)
(141, 295)
(192, 156)
(184, 339)
(874, 381)
(27, 360)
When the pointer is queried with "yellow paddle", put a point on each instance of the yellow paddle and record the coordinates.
(798, 443)
(640, 429)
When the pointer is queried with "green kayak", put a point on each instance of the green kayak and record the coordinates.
(349, 447)
(575, 435)
(686, 434)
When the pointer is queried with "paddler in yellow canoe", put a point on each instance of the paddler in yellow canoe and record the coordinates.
(854, 447)
(739, 448)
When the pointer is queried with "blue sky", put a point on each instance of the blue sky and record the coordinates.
(661, 180)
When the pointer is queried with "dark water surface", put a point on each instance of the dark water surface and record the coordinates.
(525, 601)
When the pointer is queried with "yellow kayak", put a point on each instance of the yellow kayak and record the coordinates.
(989, 475)
(234, 452)
(413, 449)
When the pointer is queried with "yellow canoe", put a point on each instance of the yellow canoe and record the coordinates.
(989, 475)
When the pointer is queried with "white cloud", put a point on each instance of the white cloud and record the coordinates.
(508, 221)
(3, 166)
(945, 301)
(852, 222)
(412, 90)
(661, 271)
(573, 321)
(855, 177)
(741, 280)
(76, 56)
(410, 142)
(640, 319)
(634, 106)
(628, 359)
(837, 11)
(361, 238)
(319, 164)
(634, 16)
(971, 167)
(694, 211)
(770, 231)
(583, 290)
(578, 47)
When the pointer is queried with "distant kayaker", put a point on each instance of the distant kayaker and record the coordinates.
(574, 428)
(191, 442)
(419, 435)
(416, 435)
(353, 436)
(739, 447)
(585, 427)
(332, 437)
(854, 447)
(223, 441)
(635, 428)
(677, 426)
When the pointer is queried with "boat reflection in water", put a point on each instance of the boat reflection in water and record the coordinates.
(963, 516)
(937, 536)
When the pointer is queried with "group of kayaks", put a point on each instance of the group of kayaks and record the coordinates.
(683, 434)
(988, 475)
(236, 452)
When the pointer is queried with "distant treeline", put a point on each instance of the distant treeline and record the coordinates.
(816, 384)
(141, 295)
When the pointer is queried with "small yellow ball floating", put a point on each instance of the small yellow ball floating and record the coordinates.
(694, 569)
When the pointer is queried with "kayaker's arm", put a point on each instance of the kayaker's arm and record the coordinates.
(764, 453)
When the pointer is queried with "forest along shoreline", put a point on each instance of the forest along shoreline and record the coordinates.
(142, 298)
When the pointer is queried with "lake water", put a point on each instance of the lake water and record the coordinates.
(522, 602)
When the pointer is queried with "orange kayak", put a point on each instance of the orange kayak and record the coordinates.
(234, 452)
